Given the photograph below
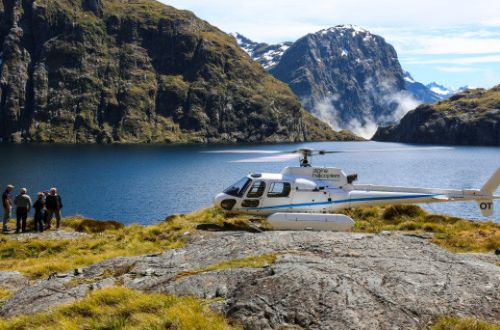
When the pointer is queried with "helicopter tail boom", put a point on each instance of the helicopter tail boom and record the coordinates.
(492, 184)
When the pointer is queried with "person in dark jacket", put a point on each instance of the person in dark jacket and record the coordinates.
(7, 206)
(53, 204)
(23, 206)
(39, 207)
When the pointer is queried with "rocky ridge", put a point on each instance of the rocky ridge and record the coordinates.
(471, 117)
(319, 281)
(112, 71)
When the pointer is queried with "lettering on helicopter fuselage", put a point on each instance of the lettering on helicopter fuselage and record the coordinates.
(323, 173)
(485, 205)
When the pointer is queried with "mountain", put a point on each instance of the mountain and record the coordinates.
(422, 92)
(471, 117)
(135, 71)
(344, 75)
(267, 55)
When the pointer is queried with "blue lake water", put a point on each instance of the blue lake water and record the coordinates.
(145, 183)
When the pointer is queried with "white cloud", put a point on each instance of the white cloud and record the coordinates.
(282, 19)
(459, 60)
(457, 69)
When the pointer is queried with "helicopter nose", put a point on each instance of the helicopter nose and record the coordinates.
(224, 201)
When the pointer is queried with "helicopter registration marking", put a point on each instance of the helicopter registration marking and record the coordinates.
(324, 173)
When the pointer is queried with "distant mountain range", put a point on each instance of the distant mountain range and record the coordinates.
(346, 76)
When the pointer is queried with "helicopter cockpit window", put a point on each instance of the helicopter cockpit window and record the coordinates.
(279, 189)
(257, 189)
(238, 189)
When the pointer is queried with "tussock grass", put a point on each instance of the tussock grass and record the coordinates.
(106, 239)
(458, 323)
(258, 261)
(120, 308)
(454, 234)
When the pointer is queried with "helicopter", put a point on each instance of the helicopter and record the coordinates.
(307, 197)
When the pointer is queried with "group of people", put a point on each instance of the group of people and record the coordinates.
(47, 205)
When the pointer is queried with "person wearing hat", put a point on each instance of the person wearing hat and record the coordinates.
(23, 206)
(7, 206)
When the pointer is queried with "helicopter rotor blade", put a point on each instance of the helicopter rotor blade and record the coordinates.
(276, 158)
(243, 151)
(384, 150)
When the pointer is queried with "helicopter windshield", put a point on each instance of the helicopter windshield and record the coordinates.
(238, 189)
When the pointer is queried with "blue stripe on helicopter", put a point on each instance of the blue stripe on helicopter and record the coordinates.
(344, 201)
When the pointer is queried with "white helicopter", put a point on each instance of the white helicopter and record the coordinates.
(306, 197)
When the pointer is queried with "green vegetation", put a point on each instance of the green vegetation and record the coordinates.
(458, 323)
(454, 234)
(480, 100)
(4, 295)
(120, 308)
(248, 262)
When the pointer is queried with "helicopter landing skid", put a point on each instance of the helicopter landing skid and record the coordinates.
(310, 221)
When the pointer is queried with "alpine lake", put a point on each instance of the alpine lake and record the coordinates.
(146, 183)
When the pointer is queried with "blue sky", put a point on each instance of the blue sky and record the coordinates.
(452, 42)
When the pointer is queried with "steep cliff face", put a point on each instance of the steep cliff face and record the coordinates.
(346, 76)
(133, 71)
(471, 117)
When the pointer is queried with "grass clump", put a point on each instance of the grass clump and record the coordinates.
(120, 308)
(258, 261)
(454, 234)
(4, 295)
(458, 323)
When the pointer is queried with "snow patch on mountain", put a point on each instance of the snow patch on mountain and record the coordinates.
(267, 55)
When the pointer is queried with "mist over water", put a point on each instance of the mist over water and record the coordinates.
(145, 183)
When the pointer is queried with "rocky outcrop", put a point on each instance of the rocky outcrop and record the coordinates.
(319, 281)
(110, 71)
(467, 118)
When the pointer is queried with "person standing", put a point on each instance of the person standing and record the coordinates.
(53, 204)
(23, 206)
(7, 206)
(39, 207)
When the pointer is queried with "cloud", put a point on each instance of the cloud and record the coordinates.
(459, 60)
(281, 17)
(402, 100)
(457, 69)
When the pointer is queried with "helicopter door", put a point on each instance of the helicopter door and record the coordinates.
(254, 194)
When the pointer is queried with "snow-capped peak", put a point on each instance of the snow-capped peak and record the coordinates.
(441, 90)
(354, 29)
(408, 77)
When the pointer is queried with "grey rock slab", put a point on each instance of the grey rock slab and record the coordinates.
(12, 280)
(321, 280)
